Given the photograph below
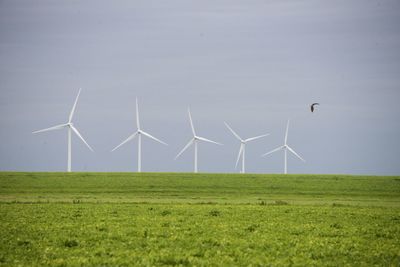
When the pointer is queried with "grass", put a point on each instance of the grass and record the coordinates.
(159, 219)
(199, 188)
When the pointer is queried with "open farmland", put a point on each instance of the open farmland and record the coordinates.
(123, 219)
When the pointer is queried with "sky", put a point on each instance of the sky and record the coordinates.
(253, 64)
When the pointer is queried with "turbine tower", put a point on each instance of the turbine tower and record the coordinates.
(71, 129)
(242, 149)
(285, 148)
(139, 132)
(195, 141)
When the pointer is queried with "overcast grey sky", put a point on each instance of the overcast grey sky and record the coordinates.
(253, 64)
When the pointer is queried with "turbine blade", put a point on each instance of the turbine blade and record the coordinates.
(233, 132)
(297, 155)
(73, 108)
(255, 138)
(80, 136)
(238, 156)
(272, 151)
(287, 130)
(152, 137)
(137, 115)
(208, 140)
(186, 147)
(126, 140)
(191, 123)
(57, 127)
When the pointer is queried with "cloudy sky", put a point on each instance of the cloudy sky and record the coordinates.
(253, 64)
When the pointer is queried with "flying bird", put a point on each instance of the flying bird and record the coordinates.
(312, 106)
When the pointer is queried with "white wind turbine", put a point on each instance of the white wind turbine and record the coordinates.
(285, 147)
(242, 149)
(71, 129)
(139, 133)
(195, 140)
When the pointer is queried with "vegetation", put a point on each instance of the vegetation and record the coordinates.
(199, 188)
(157, 219)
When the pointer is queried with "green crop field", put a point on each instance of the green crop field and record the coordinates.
(159, 219)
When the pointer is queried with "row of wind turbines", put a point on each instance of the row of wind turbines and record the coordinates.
(193, 141)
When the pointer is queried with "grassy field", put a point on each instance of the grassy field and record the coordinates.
(156, 219)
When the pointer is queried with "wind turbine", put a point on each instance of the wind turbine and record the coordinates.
(243, 146)
(285, 148)
(71, 129)
(195, 141)
(139, 132)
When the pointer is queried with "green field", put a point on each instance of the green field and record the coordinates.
(157, 219)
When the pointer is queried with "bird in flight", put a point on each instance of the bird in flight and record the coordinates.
(312, 106)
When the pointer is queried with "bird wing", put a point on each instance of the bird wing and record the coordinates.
(312, 106)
